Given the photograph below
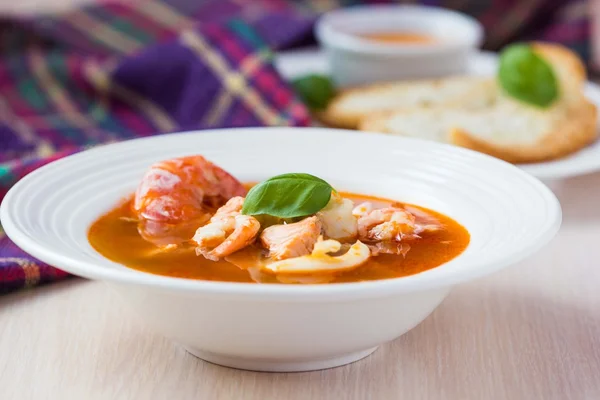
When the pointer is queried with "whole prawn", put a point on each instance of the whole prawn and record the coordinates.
(176, 196)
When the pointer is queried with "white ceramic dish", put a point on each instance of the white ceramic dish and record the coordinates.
(509, 214)
(299, 62)
(355, 60)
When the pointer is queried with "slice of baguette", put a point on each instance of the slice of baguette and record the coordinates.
(504, 127)
(506, 130)
(349, 107)
(544, 138)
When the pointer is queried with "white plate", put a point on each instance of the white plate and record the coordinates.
(509, 214)
(299, 62)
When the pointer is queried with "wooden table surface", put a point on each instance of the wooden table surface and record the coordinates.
(531, 331)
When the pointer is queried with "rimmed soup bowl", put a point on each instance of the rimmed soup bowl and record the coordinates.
(281, 327)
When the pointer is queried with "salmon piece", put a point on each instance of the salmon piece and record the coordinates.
(291, 240)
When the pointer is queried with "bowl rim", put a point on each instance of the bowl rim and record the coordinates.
(280, 292)
(329, 36)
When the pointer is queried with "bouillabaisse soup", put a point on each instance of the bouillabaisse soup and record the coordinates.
(191, 219)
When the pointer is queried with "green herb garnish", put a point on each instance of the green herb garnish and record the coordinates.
(288, 196)
(315, 90)
(526, 76)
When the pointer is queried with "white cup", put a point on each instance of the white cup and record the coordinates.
(355, 60)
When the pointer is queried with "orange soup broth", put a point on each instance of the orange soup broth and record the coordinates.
(399, 38)
(115, 236)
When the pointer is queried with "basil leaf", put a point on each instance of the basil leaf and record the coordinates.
(288, 196)
(315, 90)
(526, 76)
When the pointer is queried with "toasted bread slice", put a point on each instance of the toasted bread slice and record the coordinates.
(502, 126)
(505, 131)
(349, 107)
(545, 137)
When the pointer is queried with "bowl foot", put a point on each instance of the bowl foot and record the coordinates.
(280, 366)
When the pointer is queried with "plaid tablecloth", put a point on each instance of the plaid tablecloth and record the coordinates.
(114, 71)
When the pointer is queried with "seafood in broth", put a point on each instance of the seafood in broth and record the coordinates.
(190, 218)
(179, 194)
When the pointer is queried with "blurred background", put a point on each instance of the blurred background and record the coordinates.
(570, 22)
(75, 73)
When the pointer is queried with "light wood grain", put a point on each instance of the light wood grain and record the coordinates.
(529, 332)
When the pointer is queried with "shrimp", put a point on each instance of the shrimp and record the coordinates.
(386, 224)
(226, 236)
(227, 232)
(178, 194)
(426, 221)
(385, 229)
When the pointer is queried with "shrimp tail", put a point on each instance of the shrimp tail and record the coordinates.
(245, 230)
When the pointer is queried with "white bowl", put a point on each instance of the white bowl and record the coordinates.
(356, 61)
(272, 327)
